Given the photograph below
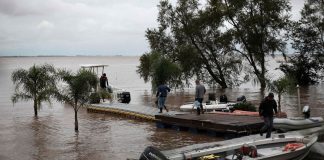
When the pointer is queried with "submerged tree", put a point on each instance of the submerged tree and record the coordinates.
(190, 36)
(159, 70)
(308, 41)
(37, 84)
(257, 26)
(281, 86)
(77, 91)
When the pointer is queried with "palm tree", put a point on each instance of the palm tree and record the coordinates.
(78, 89)
(37, 84)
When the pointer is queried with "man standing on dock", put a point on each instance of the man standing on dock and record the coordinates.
(199, 96)
(162, 94)
(266, 108)
(103, 86)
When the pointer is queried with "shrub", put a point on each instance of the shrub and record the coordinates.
(94, 98)
(245, 107)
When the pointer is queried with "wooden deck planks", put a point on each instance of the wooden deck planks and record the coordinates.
(127, 110)
(211, 122)
(215, 122)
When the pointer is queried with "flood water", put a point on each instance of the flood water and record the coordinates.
(51, 136)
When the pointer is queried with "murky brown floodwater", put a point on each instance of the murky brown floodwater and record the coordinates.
(51, 136)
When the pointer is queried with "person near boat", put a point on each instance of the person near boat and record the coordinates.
(161, 94)
(266, 111)
(199, 96)
(103, 86)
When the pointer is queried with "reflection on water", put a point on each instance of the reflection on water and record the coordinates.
(52, 136)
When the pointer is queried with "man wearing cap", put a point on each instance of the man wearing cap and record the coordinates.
(266, 108)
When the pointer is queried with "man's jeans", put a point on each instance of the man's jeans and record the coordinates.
(268, 125)
(201, 106)
(161, 102)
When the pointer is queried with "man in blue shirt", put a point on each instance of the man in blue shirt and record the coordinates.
(162, 93)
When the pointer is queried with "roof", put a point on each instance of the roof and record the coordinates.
(93, 65)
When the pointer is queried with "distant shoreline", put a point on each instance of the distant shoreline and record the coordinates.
(71, 56)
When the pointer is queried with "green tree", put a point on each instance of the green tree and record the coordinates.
(190, 36)
(280, 87)
(257, 27)
(37, 84)
(159, 70)
(308, 41)
(78, 89)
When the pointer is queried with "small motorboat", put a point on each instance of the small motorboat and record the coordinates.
(296, 123)
(120, 95)
(238, 113)
(287, 147)
(211, 106)
(247, 113)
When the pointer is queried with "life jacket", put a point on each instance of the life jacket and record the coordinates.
(293, 146)
(248, 150)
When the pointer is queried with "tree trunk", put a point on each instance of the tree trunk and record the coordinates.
(35, 107)
(279, 102)
(76, 124)
(262, 74)
(223, 85)
(263, 83)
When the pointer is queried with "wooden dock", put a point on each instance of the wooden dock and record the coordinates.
(146, 113)
(214, 124)
(227, 126)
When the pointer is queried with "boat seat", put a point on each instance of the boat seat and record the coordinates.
(269, 151)
(230, 157)
(262, 152)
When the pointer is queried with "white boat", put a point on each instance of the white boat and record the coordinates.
(286, 124)
(212, 106)
(281, 147)
(120, 95)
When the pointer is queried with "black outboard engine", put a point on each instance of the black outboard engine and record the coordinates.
(152, 153)
(223, 98)
(241, 99)
(306, 111)
(211, 97)
(124, 97)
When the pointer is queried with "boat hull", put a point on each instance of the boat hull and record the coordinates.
(267, 149)
(287, 124)
(208, 107)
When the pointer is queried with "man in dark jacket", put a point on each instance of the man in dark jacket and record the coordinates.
(267, 106)
(103, 86)
(162, 94)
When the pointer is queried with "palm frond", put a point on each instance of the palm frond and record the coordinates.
(79, 87)
(36, 83)
(21, 96)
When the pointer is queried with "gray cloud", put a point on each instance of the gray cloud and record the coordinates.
(69, 27)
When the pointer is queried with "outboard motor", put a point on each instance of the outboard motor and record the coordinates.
(152, 153)
(306, 111)
(124, 97)
(211, 97)
(241, 99)
(223, 98)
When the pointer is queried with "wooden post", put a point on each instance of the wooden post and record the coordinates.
(298, 97)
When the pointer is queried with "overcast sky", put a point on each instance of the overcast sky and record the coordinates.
(79, 27)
